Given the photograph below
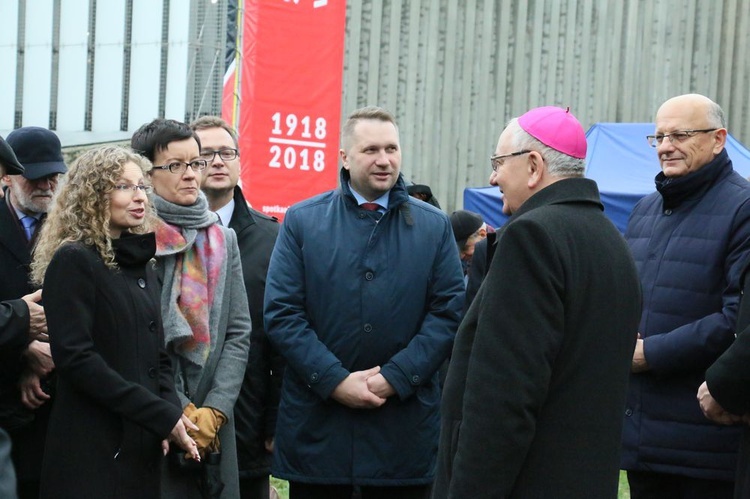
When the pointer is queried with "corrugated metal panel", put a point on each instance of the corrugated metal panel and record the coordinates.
(453, 72)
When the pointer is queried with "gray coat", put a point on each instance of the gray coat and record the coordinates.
(218, 383)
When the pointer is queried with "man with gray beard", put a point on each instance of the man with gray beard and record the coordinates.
(25, 387)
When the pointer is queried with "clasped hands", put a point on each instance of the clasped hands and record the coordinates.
(363, 389)
(39, 365)
(713, 411)
(202, 427)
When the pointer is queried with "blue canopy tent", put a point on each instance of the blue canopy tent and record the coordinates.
(620, 161)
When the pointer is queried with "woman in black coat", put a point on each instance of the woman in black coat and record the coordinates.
(116, 405)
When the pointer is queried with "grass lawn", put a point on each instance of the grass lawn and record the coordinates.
(624, 492)
(283, 487)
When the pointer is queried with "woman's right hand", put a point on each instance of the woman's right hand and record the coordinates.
(179, 436)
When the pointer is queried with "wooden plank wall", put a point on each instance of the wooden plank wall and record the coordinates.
(454, 71)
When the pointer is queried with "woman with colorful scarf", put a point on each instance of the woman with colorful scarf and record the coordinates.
(204, 307)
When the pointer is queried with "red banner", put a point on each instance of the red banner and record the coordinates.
(290, 100)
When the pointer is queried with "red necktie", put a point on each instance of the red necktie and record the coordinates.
(370, 206)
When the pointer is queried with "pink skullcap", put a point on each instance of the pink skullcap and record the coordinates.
(557, 128)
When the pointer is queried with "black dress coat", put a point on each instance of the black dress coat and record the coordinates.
(257, 404)
(27, 428)
(533, 402)
(15, 257)
(115, 393)
(728, 381)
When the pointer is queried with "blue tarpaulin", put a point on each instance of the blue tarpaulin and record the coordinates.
(620, 161)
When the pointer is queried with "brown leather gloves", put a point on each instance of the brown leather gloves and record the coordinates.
(209, 421)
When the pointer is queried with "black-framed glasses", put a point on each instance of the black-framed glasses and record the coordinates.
(133, 188)
(225, 154)
(180, 166)
(497, 161)
(675, 137)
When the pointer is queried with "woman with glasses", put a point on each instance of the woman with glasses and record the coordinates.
(203, 302)
(115, 402)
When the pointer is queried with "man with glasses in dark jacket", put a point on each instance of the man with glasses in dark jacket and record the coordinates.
(257, 403)
(690, 241)
(538, 375)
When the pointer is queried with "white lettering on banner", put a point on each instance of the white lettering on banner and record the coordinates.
(297, 153)
(316, 3)
(275, 209)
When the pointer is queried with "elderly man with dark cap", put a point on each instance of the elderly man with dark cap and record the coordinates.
(536, 387)
(23, 380)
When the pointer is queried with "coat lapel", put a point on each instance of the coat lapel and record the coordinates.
(10, 237)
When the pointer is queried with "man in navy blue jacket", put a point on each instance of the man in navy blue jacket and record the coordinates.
(690, 241)
(363, 298)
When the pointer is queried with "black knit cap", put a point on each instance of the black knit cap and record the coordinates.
(464, 224)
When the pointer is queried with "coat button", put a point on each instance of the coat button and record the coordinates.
(151, 372)
(152, 326)
(415, 379)
(141, 283)
(313, 377)
(362, 215)
(628, 412)
(667, 212)
(368, 328)
(369, 276)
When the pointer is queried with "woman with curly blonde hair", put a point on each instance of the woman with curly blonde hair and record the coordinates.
(116, 404)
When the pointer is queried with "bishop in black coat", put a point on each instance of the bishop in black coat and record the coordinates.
(533, 401)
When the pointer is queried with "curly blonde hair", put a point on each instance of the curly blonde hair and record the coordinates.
(80, 211)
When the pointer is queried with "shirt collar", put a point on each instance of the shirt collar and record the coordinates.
(20, 214)
(225, 213)
(382, 200)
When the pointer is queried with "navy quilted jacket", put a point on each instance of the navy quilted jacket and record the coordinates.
(690, 242)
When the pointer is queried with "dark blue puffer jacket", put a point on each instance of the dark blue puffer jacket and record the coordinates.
(347, 291)
(690, 242)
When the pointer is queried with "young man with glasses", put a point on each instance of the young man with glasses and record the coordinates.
(255, 410)
(690, 240)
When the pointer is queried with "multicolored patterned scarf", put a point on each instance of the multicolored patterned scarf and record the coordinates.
(192, 250)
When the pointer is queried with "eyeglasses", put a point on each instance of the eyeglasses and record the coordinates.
(675, 137)
(497, 161)
(134, 188)
(224, 154)
(180, 166)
